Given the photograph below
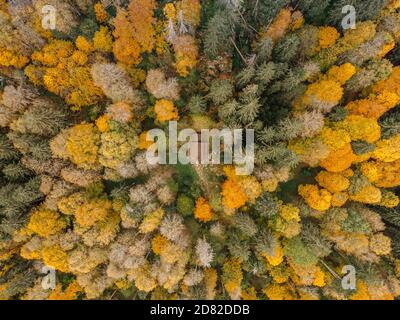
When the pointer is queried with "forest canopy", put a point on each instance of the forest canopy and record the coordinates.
(83, 82)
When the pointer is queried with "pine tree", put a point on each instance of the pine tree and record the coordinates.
(366, 10)
(300, 254)
(267, 205)
(27, 193)
(370, 73)
(248, 112)
(245, 76)
(355, 223)
(288, 129)
(33, 145)
(18, 276)
(277, 154)
(338, 114)
(227, 112)
(255, 266)
(266, 73)
(394, 234)
(264, 50)
(88, 27)
(267, 135)
(15, 201)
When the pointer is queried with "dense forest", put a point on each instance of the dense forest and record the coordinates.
(83, 82)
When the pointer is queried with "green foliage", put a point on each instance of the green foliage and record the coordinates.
(391, 215)
(197, 104)
(185, 205)
(265, 11)
(95, 190)
(218, 34)
(300, 254)
(357, 183)
(120, 192)
(372, 72)
(390, 123)
(238, 248)
(135, 211)
(32, 145)
(267, 205)
(277, 154)
(265, 243)
(88, 27)
(15, 201)
(286, 49)
(187, 180)
(267, 72)
(245, 224)
(355, 223)
(7, 152)
(264, 50)
(338, 114)
(42, 121)
(362, 147)
(246, 75)
(15, 172)
(228, 111)
(313, 239)
(365, 10)
(314, 10)
(250, 106)
(220, 91)
(255, 266)
(289, 128)
(148, 239)
(18, 276)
